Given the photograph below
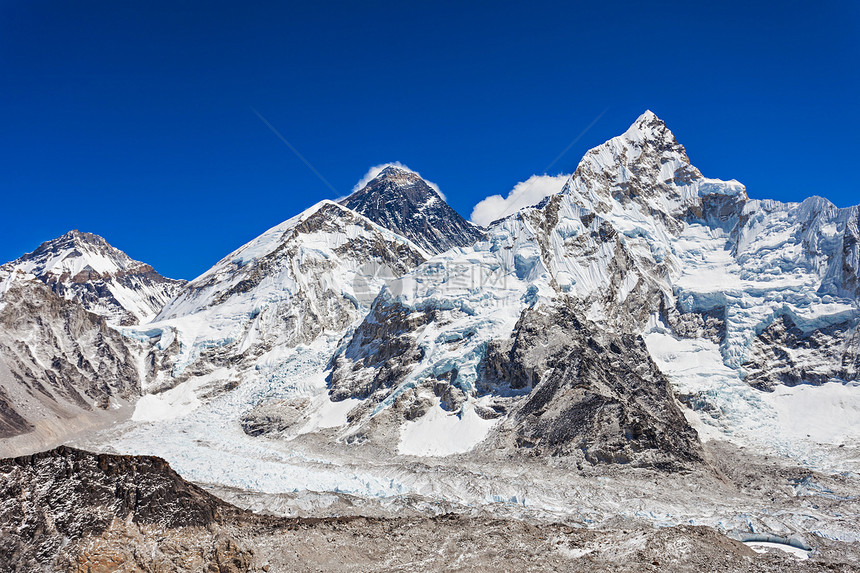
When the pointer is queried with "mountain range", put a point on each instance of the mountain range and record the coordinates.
(643, 318)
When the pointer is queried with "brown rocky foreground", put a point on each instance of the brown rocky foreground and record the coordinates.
(71, 510)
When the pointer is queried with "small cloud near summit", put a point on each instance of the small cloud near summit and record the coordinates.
(524, 194)
(377, 169)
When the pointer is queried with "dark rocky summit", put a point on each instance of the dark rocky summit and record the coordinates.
(401, 201)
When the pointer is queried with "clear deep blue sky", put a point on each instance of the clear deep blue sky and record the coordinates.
(133, 120)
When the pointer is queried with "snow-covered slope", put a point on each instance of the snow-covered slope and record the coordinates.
(399, 200)
(312, 275)
(84, 268)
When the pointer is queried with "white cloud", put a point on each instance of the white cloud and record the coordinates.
(376, 169)
(524, 194)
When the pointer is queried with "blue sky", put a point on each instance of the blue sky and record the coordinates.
(134, 120)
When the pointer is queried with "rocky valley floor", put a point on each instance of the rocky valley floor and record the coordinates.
(69, 510)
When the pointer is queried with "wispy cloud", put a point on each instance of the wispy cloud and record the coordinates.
(524, 194)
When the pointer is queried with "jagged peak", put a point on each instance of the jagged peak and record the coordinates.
(80, 238)
(647, 140)
(398, 177)
(394, 184)
(74, 252)
(399, 199)
(397, 171)
(649, 127)
(645, 170)
(76, 244)
(648, 117)
(85, 268)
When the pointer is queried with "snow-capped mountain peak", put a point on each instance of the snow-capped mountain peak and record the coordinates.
(398, 174)
(644, 177)
(312, 275)
(84, 267)
(401, 201)
(649, 127)
(74, 253)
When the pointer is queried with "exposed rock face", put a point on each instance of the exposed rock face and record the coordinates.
(63, 367)
(849, 278)
(53, 502)
(273, 417)
(84, 268)
(401, 201)
(708, 324)
(785, 354)
(380, 353)
(590, 391)
(59, 361)
(565, 387)
(11, 422)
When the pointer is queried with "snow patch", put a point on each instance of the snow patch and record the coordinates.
(177, 401)
(766, 546)
(827, 414)
(323, 413)
(440, 433)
